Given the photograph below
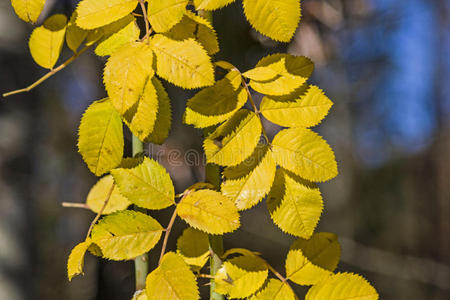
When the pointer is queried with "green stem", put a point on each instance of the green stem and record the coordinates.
(141, 262)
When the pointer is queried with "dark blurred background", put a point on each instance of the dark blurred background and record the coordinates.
(384, 63)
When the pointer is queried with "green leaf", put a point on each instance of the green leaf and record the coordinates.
(126, 74)
(250, 181)
(216, 104)
(46, 41)
(74, 34)
(97, 13)
(235, 140)
(183, 63)
(292, 72)
(305, 153)
(211, 4)
(100, 137)
(172, 280)
(275, 290)
(75, 262)
(241, 276)
(343, 286)
(306, 111)
(28, 10)
(126, 235)
(310, 261)
(148, 185)
(275, 19)
(164, 14)
(209, 211)
(193, 246)
(99, 193)
(295, 205)
(116, 35)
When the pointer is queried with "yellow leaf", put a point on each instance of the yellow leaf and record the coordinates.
(233, 141)
(241, 251)
(275, 19)
(172, 280)
(211, 4)
(306, 111)
(183, 63)
(193, 246)
(126, 235)
(75, 262)
(28, 10)
(241, 276)
(148, 185)
(74, 34)
(310, 261)
(343, 286)
(305, 153)
(116, 35)
(126, 74)
(292, 72)
(295, 205)
(261, 74)
(99, 193)
(164, 14)
(209, 211)
(275, 290)
(46, 41)
(100, 137)
(97, 13)
(140, 295)
(216, 104)
(250, 181)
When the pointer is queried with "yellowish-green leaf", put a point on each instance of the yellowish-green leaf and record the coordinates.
(261, 74)
(28, 10)
(343, 286)
(117, 34)
(164, 14)
(209, 211)
(126, 74)
(225, 65)
(75, 262)
(99, 193)
(172, 280)
(250, 181)
(306, 111)
(295, 205)
(97, 13)
(275, 19)
(235, 140)
(305, 153)
(292, 72)
(241, 276)
(216, 104)
(126, 234)
(148, 185)
(193, 246)
(183, 63)
(74, 34)
(211, 4)
(310, 261)
(100, 137)
(275, 290)
(46, 41)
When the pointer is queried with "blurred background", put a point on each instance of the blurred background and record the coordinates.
(384, 63)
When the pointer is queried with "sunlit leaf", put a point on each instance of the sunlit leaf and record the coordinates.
(164, 14)
(28, 10)
(211, 4)
(117, 34)
(97, 13)
(193, 246)
(75, 262)
(275, 290)
(99, 193)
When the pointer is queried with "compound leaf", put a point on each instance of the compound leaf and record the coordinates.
(164, 14)
(172, 280)
(75, 262)
(46, 41)
(310, 261)
(343, 286)
(275, 290)
(99, 193)
(305, 153)
(193, 246)
(117, 34)
(211, 4)
(209, 211)
(295, 205)
(126, 234)
(148, 185)
(97, 13)
(28, 10)
(100, 137)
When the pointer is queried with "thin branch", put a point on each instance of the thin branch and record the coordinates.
(205, 276)
(147, 24)
(100, 211)
(279, 276)
(166, 236)
(75, 205)
(49, 74)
